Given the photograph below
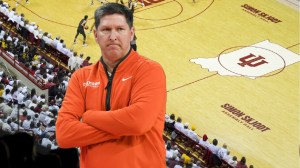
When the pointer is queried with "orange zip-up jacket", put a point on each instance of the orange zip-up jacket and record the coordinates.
(122, 129)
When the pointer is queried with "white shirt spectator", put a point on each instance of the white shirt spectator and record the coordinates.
(232, 162)
(55, 42)
(8, 87)
(65, 50)
(214, 149)
(40, 99)
(21, 98)
(26, 124)
(42, 116)
(59, 46)
(15, 126)
(30, 112)
(21, 23)
(227, 157)
(47, 39)
(53, 107)
(4, 9)
(14, 112)
(11, 15)
(70, 53)
(72, 62)
(36, 33)
(79, 61)
(193, 135)
(222, 153)
(6, 127)
(50, 129)
(204, 141)
(179, 126)
(169, 154)
(31, 27)
(32, 104)
(46, 142)
(48, 118)
(18, 19)
(2, 33)
(37, 131)
(8, 38)
(7, 97)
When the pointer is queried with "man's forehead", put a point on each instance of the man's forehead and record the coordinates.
(114, 19)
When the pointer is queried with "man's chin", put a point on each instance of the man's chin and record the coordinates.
(114, 54)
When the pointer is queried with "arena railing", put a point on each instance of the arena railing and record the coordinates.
(39, 82)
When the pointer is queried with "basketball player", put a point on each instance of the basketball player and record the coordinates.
(80, 30)
(17, 3)
(122, 2)
(93, 25)
(137, 1)
(131, 5)
(102, 2)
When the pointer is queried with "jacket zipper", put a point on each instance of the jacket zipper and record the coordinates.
(108, 90)
(110, 80)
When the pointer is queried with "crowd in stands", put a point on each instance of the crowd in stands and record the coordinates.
(23, 110)
(26, 41)
(196, 151)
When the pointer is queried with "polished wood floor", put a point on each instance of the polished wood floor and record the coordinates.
(226, 107)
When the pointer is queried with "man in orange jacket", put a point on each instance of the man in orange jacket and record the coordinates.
(114, 109)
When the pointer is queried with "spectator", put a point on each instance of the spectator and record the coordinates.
(204, 141)
(7, 96)
(242, 163)
(1, 89)
(186, 157)
(27, 122)
(38, 108)
(72, 61)
(55, 42)
(233, 162)
(213, 147)
(227, 157)
(222, 152)
(33, 94)
(178, 125)
(86, 61)
(33, 103)
(6, 126)
(186, 129)
(46, 141)
(79, 61)
(5, 107)
(192, 134)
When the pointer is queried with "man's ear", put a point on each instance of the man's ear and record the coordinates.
(95, 34)
(132, 30)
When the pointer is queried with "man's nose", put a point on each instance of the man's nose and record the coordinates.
(113, 35)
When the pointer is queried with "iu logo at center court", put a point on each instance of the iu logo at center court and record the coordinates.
(252, 60)
(259, 60)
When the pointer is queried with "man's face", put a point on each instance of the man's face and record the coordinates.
(113, 36)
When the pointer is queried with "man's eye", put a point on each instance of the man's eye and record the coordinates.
(105, 30)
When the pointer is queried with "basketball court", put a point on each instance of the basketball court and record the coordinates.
(232, 66)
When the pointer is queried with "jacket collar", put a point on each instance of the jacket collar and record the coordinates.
(126, 61)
